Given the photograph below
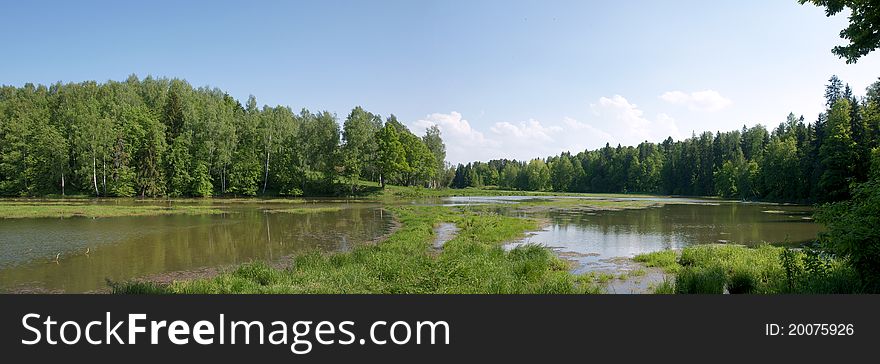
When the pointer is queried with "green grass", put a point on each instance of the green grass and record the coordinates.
(582, 204)
(472, 262)
(304, 210)
(418, 192)
(20, 209)
(664, 259)
(232, 200)
(665, 287)
(736, 269)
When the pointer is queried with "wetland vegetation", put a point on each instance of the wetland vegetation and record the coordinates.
(471, 262)
(19, 210)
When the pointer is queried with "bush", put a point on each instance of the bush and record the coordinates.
(852, 233)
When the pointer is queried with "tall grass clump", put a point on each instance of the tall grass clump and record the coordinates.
(137, 287)
(664, 259)
(764, 269)
(695, 279)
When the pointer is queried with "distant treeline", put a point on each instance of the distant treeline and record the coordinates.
(796, 161)
(162, 137)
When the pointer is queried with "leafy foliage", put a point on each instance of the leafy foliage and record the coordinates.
(161, 137)
(863, 32)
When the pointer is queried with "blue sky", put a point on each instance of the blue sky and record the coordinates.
(501, 79)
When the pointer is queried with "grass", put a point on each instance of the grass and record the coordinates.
(720, 268)
(420, 192)
(665, 259)
(304, 210)
(665, 287)
(583, 204)
(472, 262)
(19, 210)
(600, 278)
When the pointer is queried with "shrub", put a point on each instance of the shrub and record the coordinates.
(852, 230)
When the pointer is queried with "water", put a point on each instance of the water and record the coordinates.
(122, 248)
(597, 240)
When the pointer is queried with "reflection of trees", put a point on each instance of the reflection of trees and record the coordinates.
(694, 224)
(189, 242)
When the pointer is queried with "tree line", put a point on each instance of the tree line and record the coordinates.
(795, 161)
(162, 137)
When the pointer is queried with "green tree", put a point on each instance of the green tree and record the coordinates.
(392, 157)
(148, 158)
(359, 144)
(201, 180)
(537, 175)
(435, 144)
(561, 174)
(852, 232)
(779, 168)
(837, 153)
(509, 175)
(863, 32)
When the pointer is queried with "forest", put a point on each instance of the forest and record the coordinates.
(163, 137)
(796, 161)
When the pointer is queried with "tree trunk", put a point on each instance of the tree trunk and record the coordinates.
(95, 174)
(104, 175)
(303, 184)
(382, 181)
(266, 175)
(62, 180)
(223, 180)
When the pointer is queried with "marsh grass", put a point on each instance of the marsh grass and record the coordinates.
(700, 280)
(19, 210)
(665, 287)
(413, 192)
(304, 210)
(586, 204)
(472, 262)
(667, 260)
(765, 269)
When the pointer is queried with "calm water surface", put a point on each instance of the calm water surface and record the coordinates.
(595, 239)
(128, 247)
(122, 248)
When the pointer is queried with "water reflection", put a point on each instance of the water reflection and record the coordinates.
(127, 247)
(595, 238)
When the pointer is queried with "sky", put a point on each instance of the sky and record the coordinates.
(501, 79)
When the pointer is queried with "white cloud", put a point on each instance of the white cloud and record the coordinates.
(523, 140)
(707, 100)
(625, 123)
(463, 143)
(531, 131)
(454, 125)
(614, 120)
